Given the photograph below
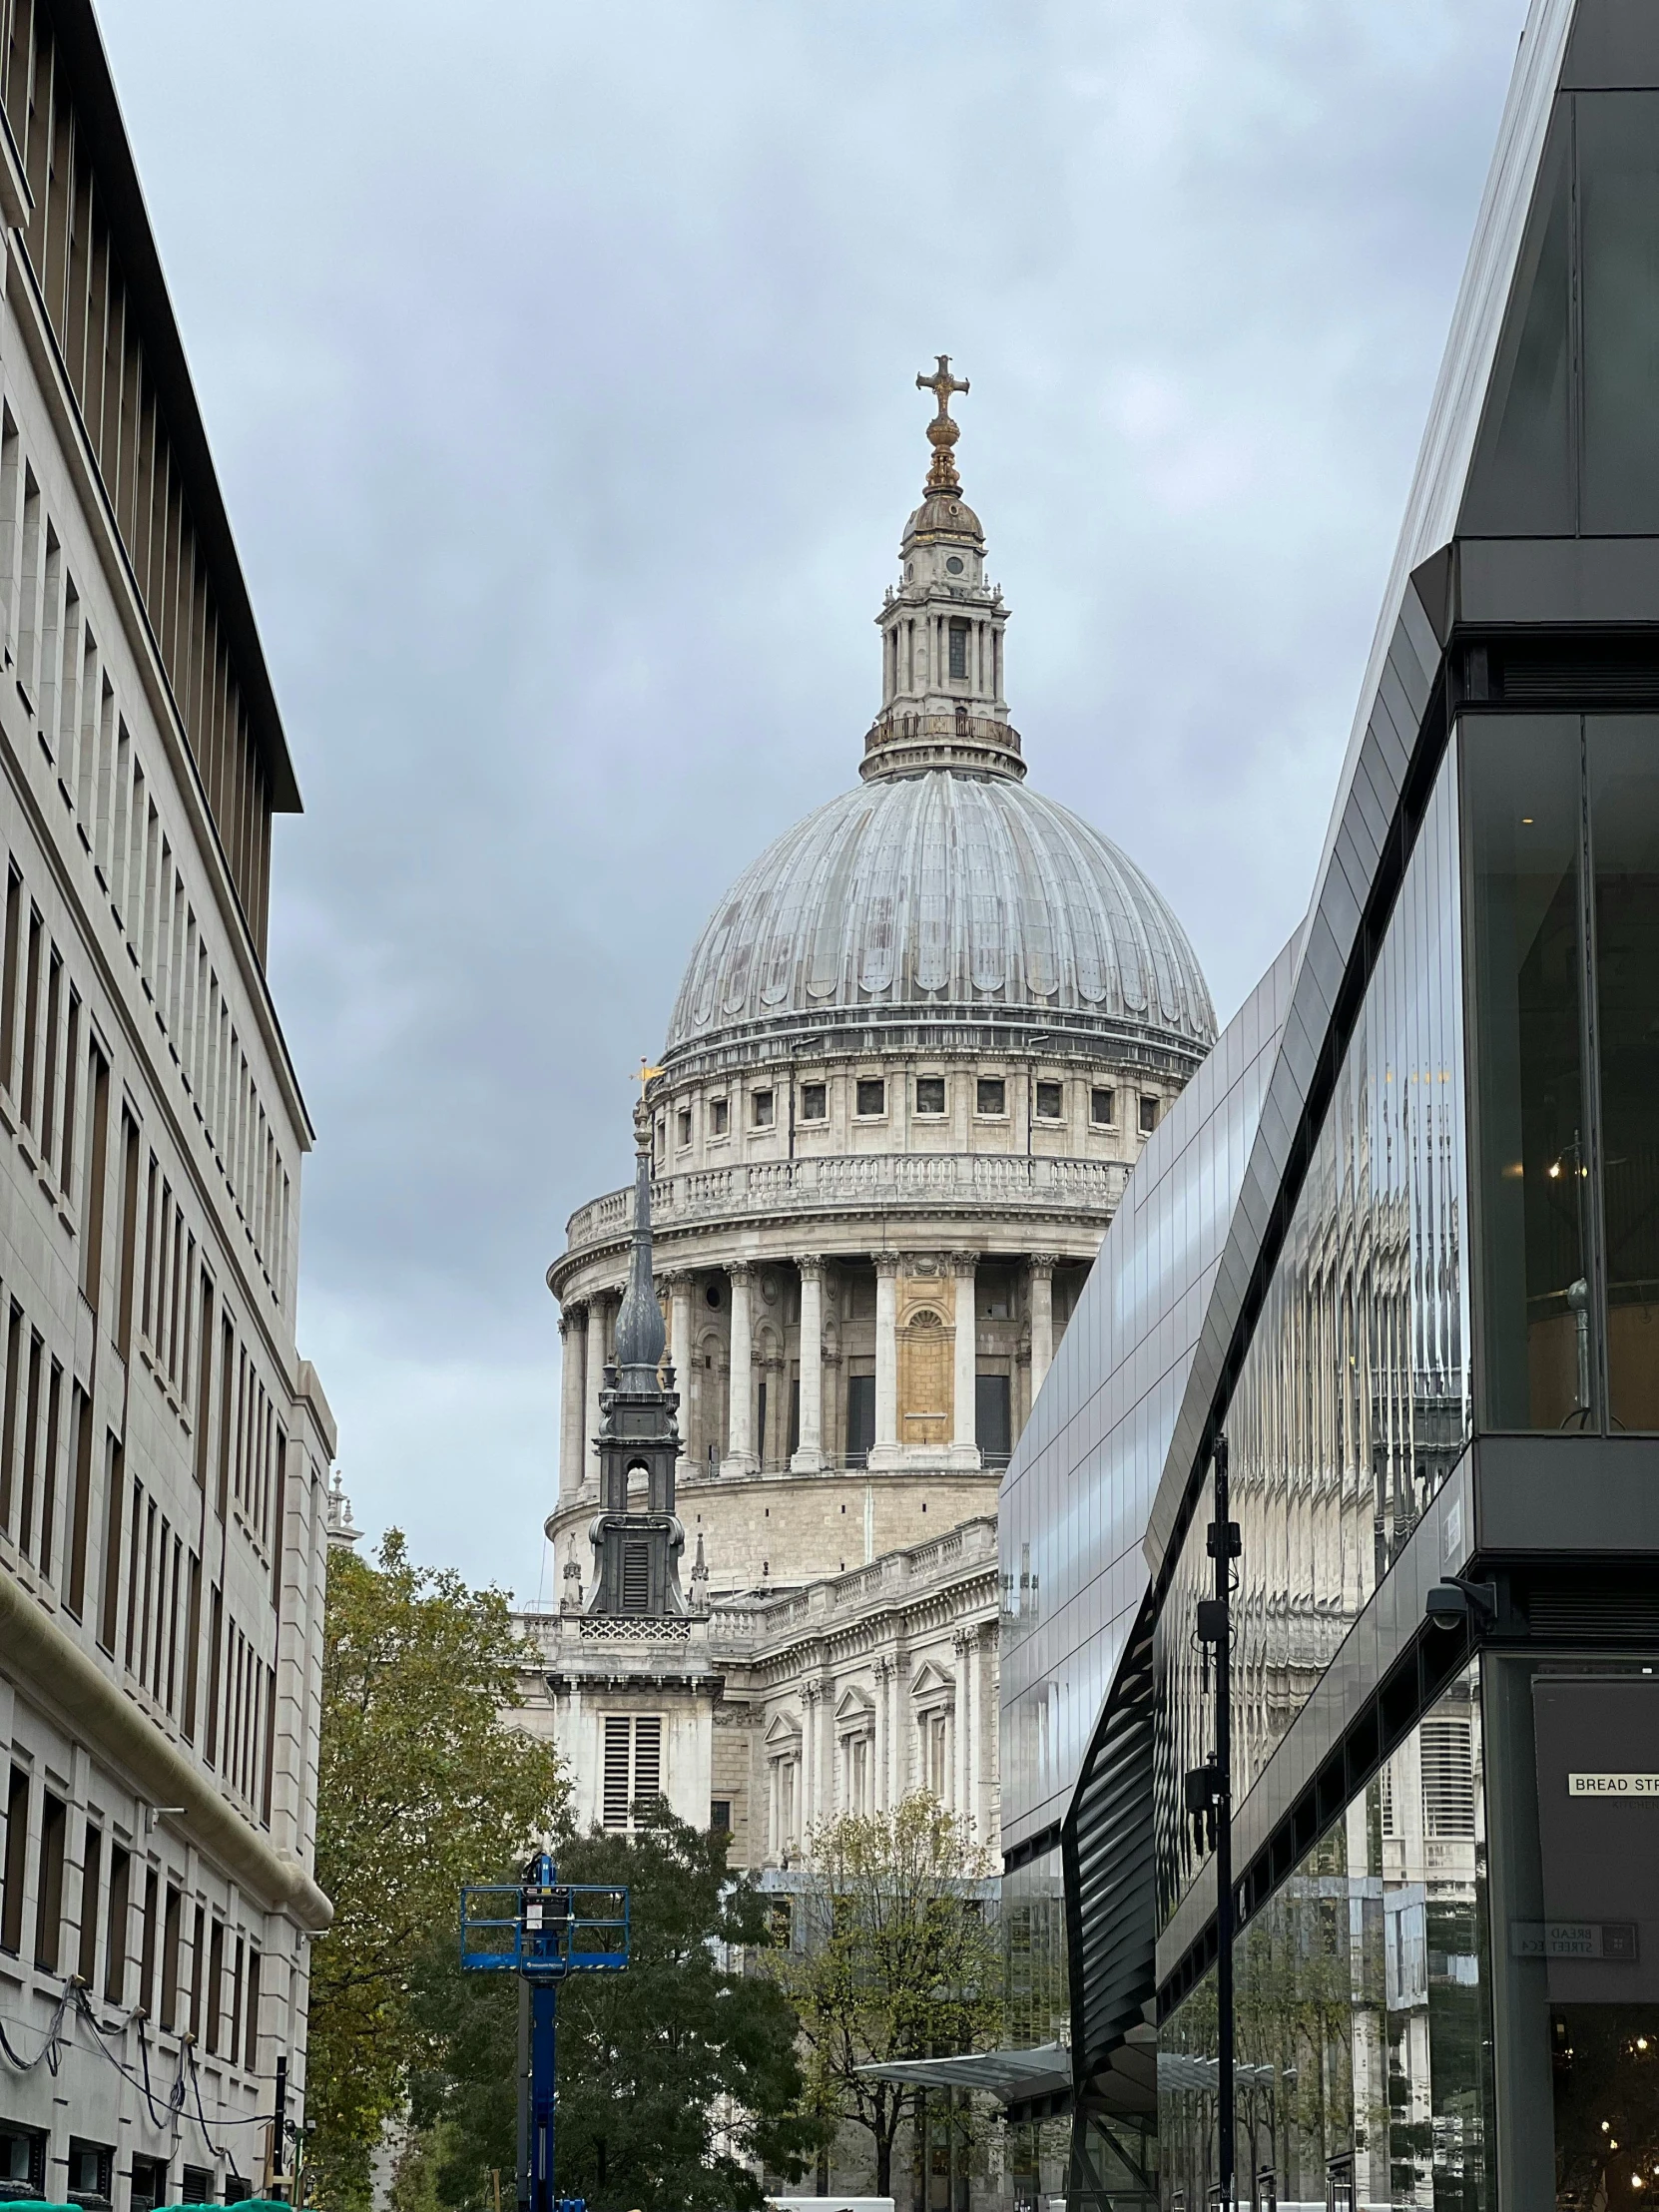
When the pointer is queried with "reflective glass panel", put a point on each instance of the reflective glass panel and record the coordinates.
(1522, 804)
(1623, 758)
(1521, 480)
(1352, 1402)
(1363, 2004)
(1618, 198)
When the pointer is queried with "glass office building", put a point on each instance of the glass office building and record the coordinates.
(1415, 1285)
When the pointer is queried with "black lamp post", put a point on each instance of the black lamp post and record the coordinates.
(1210, 1802)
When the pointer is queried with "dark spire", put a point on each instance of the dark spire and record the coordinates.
(639, 1324)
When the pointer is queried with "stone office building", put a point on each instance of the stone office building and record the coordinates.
(164, 1450)
(1397, 1244)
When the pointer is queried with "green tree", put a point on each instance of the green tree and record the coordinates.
(422, 1785)
(892, 1958)
(672, 2075)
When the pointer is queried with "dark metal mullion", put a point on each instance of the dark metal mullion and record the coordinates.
(1592, 1203)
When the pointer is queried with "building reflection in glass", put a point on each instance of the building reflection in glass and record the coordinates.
(1363, 2003)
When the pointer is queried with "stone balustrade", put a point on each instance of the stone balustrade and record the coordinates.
(852, 1182)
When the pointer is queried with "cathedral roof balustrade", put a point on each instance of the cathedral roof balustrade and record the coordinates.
(767, 1189)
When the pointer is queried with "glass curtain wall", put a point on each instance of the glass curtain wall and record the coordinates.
(1352, 1402)
(1363, 2006)
(1562, 815)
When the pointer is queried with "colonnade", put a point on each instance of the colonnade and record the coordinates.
(583, 1326)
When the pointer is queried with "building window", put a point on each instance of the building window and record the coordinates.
(1100, 1109)
(719, 1116)
(682, 1126)
(720, 1815)
(1149, 1114)
(991, 1095)
(930, 1094)
(872, 1095)
(1049, 1102)
(88, 2169)
(994, 1425)
(760, 1109)
(632, 1765)
(958, 649)
(814, 1102)
(22, 2161)
(860, 1419)
(936, 1745)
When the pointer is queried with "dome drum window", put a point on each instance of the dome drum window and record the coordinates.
(720, 1117)
(1051, 1102)
(814, 1102)
(871, 1097)
(1100, 1109)
(761, 1109)
(990, 1096)
(1149, 1114)
(930, 1094)
(683, 1127)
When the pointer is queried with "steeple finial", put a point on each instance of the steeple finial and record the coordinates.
(942, 433)
(639, 1322)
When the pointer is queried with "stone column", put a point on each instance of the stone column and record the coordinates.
(808, 1454)
(968, 1697)
(680, 1352)
(884, 1451)
(806, 1812)
(964, 1425)
(1041, 1264)
(879, 1754)
(740, 1412)
(573, 1330)
(594, 1375)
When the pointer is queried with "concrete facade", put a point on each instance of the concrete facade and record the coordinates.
(164, 1450)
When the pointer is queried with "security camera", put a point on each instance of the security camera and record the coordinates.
(1459, 1604)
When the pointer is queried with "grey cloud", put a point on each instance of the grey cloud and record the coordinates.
(558, 361)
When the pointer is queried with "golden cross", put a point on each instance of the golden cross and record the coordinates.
(644, 1074)
(942, 384)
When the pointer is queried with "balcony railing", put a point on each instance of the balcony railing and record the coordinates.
(853, 1181)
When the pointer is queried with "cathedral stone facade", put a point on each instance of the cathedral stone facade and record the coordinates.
(916, 1051)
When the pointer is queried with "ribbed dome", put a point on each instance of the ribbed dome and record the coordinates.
(966, 895)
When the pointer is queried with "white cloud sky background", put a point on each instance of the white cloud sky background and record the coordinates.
(558, 364)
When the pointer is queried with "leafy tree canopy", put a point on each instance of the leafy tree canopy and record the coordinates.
(892, 1958)
(423, 1784)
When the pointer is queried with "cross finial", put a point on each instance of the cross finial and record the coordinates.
(942, 433)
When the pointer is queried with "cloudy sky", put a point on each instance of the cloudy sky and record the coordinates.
(558, 360)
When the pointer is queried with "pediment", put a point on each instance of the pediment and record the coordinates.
(783, 1733)
(856, 1712)
(931, 1685)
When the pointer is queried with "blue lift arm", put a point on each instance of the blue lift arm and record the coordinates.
(542, 1929)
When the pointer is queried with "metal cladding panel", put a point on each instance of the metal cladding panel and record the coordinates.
(1075, 1497)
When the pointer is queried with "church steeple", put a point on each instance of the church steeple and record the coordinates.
(637, 1543)
(941, 630)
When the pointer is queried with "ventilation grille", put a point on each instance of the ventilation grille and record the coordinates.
(618, 1770)
(1550, 679)
(636, 1575)
(1597, 1610)
(632, 1765)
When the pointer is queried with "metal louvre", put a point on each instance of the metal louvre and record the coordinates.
(1109, 1862)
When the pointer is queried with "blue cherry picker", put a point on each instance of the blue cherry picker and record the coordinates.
(542, 1929)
